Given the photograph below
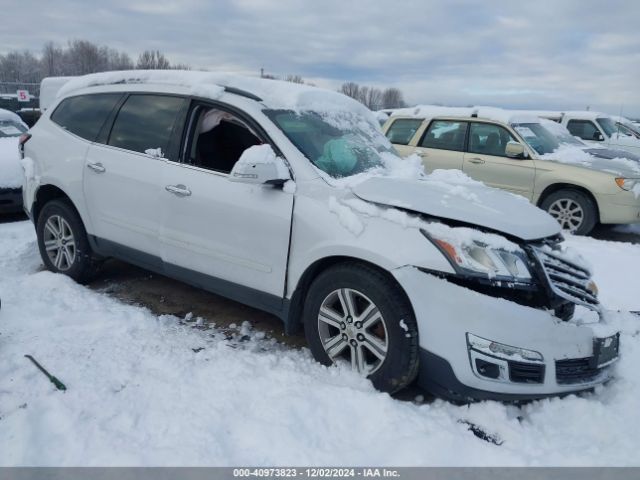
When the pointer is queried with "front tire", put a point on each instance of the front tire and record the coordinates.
(575, 211)
(63, 243)
(356, 313)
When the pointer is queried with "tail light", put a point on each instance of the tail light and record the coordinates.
(24, 138)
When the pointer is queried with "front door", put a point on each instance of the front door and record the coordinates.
(487, 162)
(220, 234)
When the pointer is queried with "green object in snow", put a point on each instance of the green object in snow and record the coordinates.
(58, 384)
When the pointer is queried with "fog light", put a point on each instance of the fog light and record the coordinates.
(501, 350)
(487, 369)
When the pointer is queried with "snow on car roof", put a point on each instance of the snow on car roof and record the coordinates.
(8, 115)
(274, 94)
(490, 113)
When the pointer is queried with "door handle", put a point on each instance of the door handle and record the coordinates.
(423, 154)
(96, 167)
(178, 190)
(477, 161)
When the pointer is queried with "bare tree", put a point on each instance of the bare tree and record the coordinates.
(392, 98)
(373, 100)
(350, 89)
(152, 60)
(294, 79)
(51, 60)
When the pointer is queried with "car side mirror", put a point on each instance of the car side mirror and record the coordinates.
(514, 150)
(598, 136)
(259, 165)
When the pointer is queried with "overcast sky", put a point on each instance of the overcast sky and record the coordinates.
(560, 54)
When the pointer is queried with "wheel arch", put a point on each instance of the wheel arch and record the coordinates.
(45, 194)
(293, 312)
(556, 187)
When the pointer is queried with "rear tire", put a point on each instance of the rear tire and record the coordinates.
(63, 242)
(574, 210)
(376, 333)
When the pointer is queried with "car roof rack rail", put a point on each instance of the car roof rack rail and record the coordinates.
(242, 93)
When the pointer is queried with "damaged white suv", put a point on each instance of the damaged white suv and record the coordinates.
(289, 198)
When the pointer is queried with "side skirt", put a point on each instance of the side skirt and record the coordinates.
(248, 296)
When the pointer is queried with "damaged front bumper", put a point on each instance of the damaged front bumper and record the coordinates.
(475, 346)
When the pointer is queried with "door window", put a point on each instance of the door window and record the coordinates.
(85, 115)
(489, 139)
(145, 122)
(445, 135)
(583, 129)
(218, 140)
(402, 130)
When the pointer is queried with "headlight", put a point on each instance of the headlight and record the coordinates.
(475, 258)
(627, 183)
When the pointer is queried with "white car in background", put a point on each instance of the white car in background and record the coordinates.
(290, 199)
(565, 138)
(11, 128)
(596, 128)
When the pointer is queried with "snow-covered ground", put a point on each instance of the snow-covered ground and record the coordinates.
(141, 393)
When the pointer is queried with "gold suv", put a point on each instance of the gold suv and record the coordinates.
(517, 153)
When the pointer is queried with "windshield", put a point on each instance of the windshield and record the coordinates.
(340, 144)
(607, 125)
(9, 128)
(537, 137)
(626, 129)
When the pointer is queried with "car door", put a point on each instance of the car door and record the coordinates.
(442, 144)
(123, 181)
(487, 162)
(220, 234)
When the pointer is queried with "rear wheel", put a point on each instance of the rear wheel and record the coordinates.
(63, 243)
(573, 210)
(356, 315)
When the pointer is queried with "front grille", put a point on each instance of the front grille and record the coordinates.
(576, 370)
(526, 372)
(567, 279)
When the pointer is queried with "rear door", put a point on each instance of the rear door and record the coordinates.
(217, 233)
(123, 176)
(442, 144)
(487, 162)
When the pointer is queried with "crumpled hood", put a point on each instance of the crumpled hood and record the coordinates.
(468, 202)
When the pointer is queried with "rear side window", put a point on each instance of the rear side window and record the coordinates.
(445, 135)
(9, 128)
(146, 122)
(402, 130)
(85, 115)
(584, 129)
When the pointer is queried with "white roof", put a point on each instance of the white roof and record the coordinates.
(273, 93)
(489, 113)
(8, 115)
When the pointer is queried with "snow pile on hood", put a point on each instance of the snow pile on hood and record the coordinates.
(275, 94)
(10, 171)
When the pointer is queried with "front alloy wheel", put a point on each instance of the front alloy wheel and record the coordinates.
(351, 326)
(357, 314)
